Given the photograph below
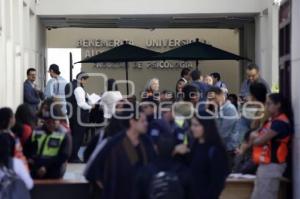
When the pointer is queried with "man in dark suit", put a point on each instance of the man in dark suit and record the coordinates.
(32, 96)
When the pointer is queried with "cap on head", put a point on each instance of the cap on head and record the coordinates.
(82, 75)
(54, 68)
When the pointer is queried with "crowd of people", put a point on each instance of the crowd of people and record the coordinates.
(181, 144)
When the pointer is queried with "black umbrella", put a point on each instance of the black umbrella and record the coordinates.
(123, 53)
(198, 51)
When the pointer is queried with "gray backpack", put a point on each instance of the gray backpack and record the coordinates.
(11, 186)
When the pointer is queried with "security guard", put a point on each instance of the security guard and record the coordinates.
(49, 147)
(271, 145)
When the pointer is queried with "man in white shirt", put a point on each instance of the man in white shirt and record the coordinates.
(79, 111)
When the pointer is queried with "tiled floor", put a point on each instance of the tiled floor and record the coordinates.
(75, 171)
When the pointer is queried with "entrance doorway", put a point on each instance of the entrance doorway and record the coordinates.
(61, 57)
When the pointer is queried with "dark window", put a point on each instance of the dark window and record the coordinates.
(285, 49)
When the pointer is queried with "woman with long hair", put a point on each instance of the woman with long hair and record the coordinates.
(11, 151)
(25, 122)
(7, 121)
(209, 165)
(271, 147)
(7, 160)
(179, 89)
(6, 149)
(151, 89)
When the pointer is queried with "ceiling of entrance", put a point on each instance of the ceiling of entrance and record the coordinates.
(149, 22)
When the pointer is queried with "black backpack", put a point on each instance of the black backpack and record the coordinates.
(11, 186)
(166, 185)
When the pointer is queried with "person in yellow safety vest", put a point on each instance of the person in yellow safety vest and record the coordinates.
(49, 147)
(271, 147)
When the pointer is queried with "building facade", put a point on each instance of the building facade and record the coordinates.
(23, 25)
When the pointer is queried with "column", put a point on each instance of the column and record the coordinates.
(295, 61)
(266, 43)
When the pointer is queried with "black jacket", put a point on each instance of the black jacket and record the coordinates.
(70, 98)
(209, 170)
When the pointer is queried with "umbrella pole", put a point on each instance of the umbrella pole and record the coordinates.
(71, 66)
(197, 64)
(127, 85)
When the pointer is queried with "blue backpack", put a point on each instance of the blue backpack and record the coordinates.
(11, 186)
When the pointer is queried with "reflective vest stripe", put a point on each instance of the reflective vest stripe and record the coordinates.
(43, 141)
(53, 151)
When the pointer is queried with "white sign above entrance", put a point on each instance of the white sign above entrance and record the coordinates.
(150, 43)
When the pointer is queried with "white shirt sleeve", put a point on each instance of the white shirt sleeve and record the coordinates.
(23, 173)
(80, 99)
